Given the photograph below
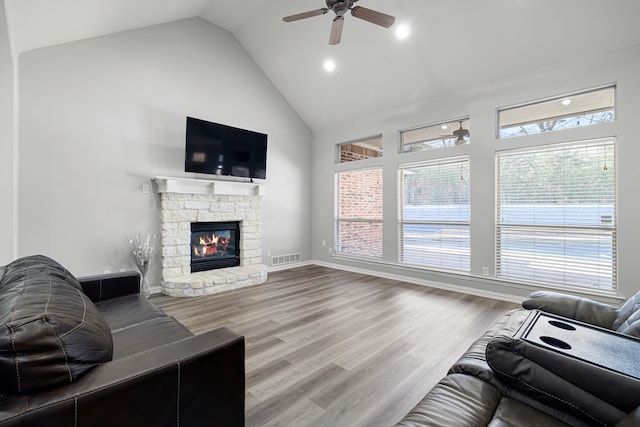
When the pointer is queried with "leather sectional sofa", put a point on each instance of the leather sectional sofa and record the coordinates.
(508, 377)
(93, 352)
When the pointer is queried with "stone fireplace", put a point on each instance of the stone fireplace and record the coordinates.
(224, 207)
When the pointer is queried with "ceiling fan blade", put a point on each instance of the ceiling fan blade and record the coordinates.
(373, 16)
(304, 15)
(336, 30)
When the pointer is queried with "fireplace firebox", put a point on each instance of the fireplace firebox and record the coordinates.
(214, 245)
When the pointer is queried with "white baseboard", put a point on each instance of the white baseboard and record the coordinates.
(520, 289)
(429, 283)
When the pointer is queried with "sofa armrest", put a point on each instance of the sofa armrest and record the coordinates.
(196, 381)
(107, 286)
(573, 307)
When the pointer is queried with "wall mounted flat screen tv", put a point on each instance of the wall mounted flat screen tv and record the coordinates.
(218, 149)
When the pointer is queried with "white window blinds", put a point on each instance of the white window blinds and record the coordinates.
(434, 214)
(556, 215)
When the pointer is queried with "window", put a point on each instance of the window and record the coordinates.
(359, 212)
(434, 214)
(563, 112)
(365, 149)
(441, 135)
(556, 215)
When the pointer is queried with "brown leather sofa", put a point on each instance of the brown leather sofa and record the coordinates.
(502, 380)
(95, 353)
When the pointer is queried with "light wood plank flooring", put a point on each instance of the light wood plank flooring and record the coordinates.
(326, 347)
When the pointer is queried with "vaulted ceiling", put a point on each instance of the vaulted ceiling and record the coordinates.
(453, 44)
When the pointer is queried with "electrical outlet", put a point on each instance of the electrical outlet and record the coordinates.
(145, 188)
(324, 243)
(485, 271)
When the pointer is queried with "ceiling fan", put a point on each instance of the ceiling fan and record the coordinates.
(460, 134)
(340, 8)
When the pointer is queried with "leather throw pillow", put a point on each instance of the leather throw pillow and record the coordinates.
(50, 331)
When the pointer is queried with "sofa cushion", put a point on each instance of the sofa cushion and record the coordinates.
(145, 335)
(50, 332)
(125, 311)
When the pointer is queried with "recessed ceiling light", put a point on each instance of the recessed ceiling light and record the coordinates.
(403, 31)
(566, 101)
(444, 127)
(329, 65)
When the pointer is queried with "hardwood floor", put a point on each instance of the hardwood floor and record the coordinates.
(327, 347)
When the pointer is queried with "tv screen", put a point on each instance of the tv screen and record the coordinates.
(217, 149)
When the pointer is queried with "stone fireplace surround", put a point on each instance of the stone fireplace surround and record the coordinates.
(183, 201)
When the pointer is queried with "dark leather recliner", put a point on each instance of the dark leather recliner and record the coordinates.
(499, 382)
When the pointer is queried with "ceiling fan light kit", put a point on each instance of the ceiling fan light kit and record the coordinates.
(340, 8)
(461, 134)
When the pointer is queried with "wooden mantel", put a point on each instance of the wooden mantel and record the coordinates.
(208, 186)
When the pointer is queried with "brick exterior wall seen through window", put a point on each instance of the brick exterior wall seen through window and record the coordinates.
(360, 194)
(353, 152)
(359, 222)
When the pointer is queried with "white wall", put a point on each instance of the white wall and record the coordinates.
(100, 117)
(7, 151)
(620, 67)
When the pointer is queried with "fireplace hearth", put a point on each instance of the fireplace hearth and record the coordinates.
(214, 245)
(236, 206)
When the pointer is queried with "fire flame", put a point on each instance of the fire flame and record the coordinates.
(206, 240)
(211, 244)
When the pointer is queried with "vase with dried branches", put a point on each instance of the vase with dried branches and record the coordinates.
(142, 249)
